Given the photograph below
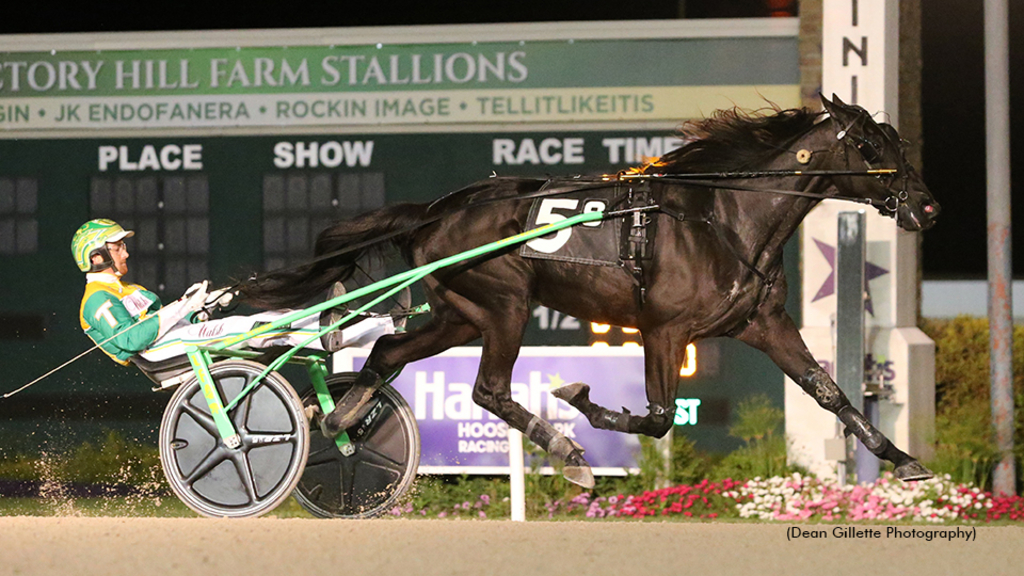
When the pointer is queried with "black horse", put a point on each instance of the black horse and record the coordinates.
(716, 267)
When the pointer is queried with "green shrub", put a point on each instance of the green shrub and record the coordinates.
(688, 465)
(964, 439)
(759, 425)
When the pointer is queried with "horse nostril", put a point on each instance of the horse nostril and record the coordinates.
(929, 209)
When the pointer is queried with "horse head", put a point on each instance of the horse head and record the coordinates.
(862, 142)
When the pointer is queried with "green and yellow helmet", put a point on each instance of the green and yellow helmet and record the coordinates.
(92, 238)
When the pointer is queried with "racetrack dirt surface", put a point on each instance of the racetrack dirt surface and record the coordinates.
(271, 546)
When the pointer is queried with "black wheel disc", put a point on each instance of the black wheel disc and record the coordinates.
(246, 481)
(379, 468)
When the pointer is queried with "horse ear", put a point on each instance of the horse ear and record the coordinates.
(838, 102)
(838, 109)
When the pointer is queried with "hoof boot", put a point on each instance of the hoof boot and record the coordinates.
(347, 412)
(579, 475)
(572, 392)
(912, 470)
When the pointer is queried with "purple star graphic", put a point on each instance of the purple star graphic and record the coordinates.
(871, 271)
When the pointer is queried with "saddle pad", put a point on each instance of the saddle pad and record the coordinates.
(593, 243)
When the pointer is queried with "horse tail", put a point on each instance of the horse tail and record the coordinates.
(294, 287)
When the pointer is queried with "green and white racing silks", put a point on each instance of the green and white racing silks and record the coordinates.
(131, 316)
(126, 312)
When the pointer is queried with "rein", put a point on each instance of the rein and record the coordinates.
(594, 183)
(867, 149)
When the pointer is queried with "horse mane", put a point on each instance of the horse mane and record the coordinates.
(733, 139)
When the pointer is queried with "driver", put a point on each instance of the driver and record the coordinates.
(127, 319)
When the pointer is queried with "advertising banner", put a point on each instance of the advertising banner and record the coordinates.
(457, 436)
(396, 84)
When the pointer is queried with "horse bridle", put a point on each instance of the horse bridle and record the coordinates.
(870, 153)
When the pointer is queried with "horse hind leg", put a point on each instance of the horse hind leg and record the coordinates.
(503, 325)
(444, 330)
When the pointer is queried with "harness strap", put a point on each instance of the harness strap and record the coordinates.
(815, 195)
(721, 237)
(634, 247)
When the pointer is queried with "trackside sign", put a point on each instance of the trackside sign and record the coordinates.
(457, 436)
(508, 82)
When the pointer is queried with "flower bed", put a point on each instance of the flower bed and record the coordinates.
(790, 498)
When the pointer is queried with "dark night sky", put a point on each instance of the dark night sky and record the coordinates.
(953, 75)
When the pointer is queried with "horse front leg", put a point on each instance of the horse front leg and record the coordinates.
(777, 336)
(664, 353)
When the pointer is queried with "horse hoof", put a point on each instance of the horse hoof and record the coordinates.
(347, 412)
(313, 414)
(570, 392)
(912, 470)
(579, 475)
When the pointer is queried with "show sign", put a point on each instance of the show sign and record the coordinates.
(459, 437)
(392, 81)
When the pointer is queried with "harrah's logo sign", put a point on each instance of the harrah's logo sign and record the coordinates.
(437, 399)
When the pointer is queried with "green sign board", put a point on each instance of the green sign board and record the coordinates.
(485, 82)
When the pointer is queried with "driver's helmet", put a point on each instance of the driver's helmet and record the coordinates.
(92, 238)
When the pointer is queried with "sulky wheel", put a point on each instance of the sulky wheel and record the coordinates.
(380, 465)
(218, 481)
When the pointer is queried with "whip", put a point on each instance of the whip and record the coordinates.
(215, 302)
(76, 358)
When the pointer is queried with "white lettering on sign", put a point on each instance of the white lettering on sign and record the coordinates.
(458, 68)
(170, 157)
(686, 411)
(483, 430)
(328, 154)
(259, 72)
(550, 151)
(636, 149)
(860, 54)
(483, 446)
(41, 76)
(491, 437)
(437, 399)
(554, 320)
